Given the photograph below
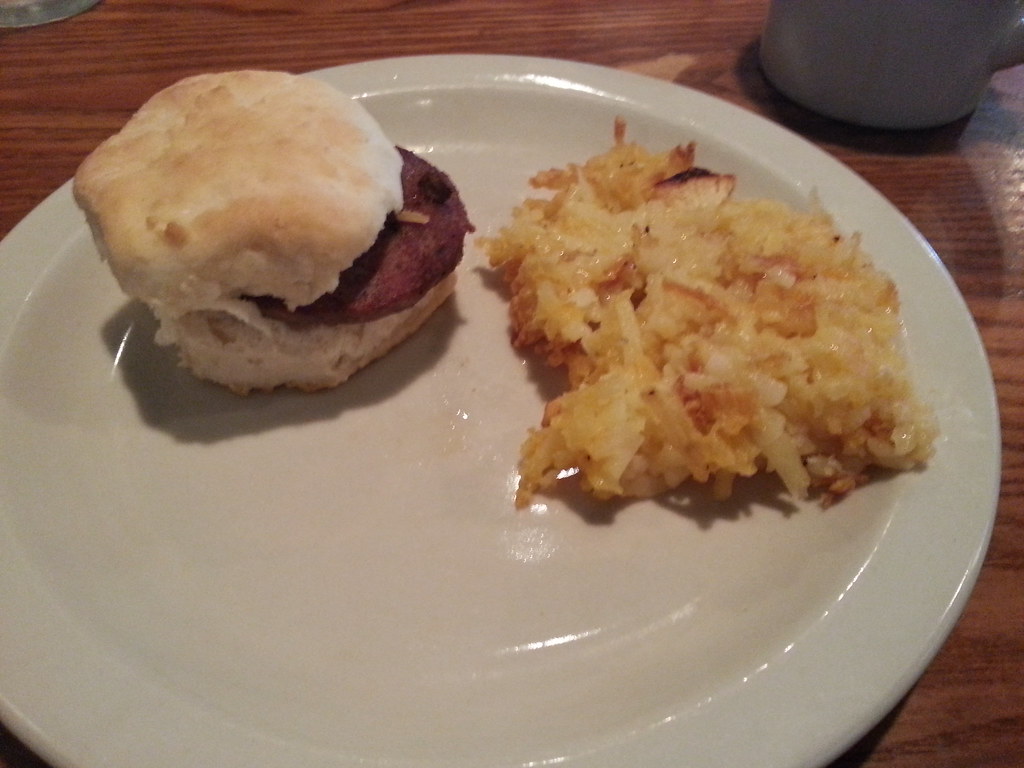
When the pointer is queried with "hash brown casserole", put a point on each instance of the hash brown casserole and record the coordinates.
(704, 337)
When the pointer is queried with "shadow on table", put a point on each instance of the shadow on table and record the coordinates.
(862, 752)
(14, 754)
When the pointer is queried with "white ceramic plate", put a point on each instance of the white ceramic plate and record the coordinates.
(192, 578)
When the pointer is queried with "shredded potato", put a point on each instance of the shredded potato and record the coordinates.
(704, 337)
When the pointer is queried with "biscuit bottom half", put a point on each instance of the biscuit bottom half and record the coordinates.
(218, 346)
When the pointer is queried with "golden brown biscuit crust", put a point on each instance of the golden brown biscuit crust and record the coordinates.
(246, 182)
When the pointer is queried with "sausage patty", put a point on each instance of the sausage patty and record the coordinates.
(413, 252)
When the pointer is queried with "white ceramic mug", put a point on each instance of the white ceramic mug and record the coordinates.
(890, 63)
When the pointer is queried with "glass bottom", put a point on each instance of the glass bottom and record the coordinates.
(29, 13)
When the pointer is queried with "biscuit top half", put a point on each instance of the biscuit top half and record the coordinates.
(239, 183)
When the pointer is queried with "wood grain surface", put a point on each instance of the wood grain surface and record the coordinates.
(66, 86)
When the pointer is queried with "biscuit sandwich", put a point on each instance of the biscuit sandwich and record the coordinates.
(279, 237)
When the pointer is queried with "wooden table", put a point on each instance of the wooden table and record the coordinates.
(66, 86)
